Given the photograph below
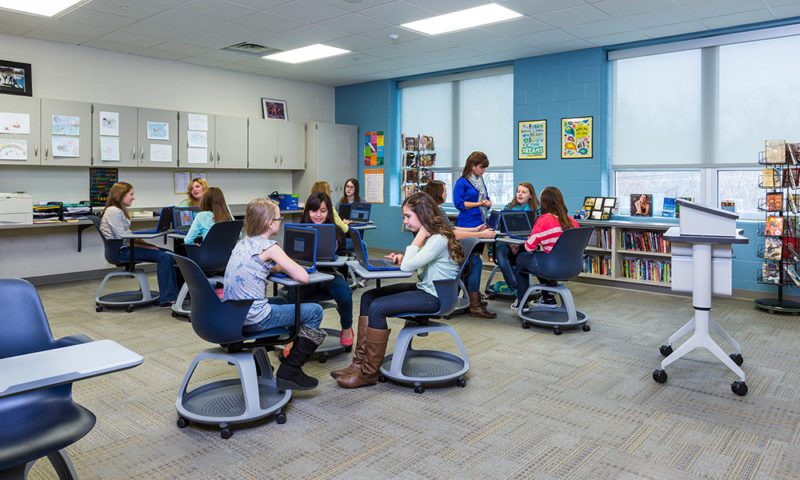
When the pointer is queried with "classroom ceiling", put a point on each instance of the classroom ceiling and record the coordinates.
(196, 31)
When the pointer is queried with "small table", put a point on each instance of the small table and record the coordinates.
(50, 368)
(140, 236)
(509, 240)
(339, 261)
(378, 275)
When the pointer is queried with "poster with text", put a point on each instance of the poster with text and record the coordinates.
(576, 137)
(373, 149)
(532, 140)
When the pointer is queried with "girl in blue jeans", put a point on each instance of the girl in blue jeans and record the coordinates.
(506, 255)
(251, 262)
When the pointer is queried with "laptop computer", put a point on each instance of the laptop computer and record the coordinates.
(516, 224)
(300, 243)
(494, 220)
(182, 218)
(344, 210)
(164, 222)
(359, 214)
(361, 255)
(326, 239)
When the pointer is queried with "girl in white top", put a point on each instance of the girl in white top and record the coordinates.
(433, 255)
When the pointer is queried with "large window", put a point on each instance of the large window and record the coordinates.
(464, 113)
(697, 113)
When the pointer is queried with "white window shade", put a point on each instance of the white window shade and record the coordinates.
(657, 110)
(486, 119)
(426, 109)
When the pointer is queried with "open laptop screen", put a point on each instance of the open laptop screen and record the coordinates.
(182, 217)
(516, 222)
(300, 244)
(344, 210)
(360, 212)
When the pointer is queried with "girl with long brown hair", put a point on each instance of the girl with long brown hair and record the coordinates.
(213, 209)
(435, 254)
(505, 255)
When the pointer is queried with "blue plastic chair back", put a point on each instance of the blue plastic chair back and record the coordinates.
(565, 260)
(111, 247)
(23, 324)
(215, 251)
(468, 245)
(447, 291)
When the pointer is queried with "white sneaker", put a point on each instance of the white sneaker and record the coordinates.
(515, 305)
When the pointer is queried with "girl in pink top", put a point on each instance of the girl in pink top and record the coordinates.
(548, 228)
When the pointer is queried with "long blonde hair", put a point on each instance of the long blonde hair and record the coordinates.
(214, 201)
(321, 186)
(115, 196)
(259, 212)
(192, 201)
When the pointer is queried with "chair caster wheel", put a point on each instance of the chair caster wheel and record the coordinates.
(660, 376)
(348, 349)
(323, 358)
(525, 325)
(225, 433)
(586, 327)
(381, 378)
(98, 308)
(737, 358)
(490, 296)
(280, 418)
(174, 315)
(129, 308)
(461, 382)
(557, 331)
(182, 422)
(739, 388)
(665, 350)
(418, 388)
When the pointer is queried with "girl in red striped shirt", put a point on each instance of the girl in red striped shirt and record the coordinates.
(548, 228)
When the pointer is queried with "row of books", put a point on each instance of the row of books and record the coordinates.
(413, 159)
(417, 175)
(644, 241)
(597, 264)
(771, 273)
(61, 211)
(421, 143)
(772, 178)
(775, 202)
(601, 238)
(646, 269)
(777, 248)
(780, 152)
(776, 226)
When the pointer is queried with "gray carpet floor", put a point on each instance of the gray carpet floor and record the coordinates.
(579, 405)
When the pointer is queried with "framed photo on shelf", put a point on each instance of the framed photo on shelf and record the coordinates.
(271, 108)
(641, 205)
(15, 78)
(576, 137)
(532, 139)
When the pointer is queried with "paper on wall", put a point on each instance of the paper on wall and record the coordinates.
(197, 155)
(182, 181)
(13, 149)
(157, 131)
(109, 149)
(15, 123)
(196, 121)
(373, 185)
(160, 153)
(64, 146)
(66, 125)
(197, 139)
(109, 124)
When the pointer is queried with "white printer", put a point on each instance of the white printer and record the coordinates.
(16, 208)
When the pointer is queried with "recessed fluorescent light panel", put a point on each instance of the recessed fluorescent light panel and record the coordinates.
(45, 8)
(463, 19)
(306, 54)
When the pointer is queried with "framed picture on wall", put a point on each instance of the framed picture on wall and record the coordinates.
(271, 108)
(576, 137)
(15, 78)
(532, 139)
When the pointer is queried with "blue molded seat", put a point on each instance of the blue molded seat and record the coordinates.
(41, 422)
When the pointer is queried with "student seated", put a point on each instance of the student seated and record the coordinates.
(116, 223)
(505, 254)
(350, 193)
(477, 307)
(252, 260)
(435, 254)
(213, 209)
(197, 187)
(546, 231)
(319, 210)
(325, 187)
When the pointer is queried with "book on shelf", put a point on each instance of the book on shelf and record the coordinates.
(427, 159)
(597, 264)
(668, 210)
(411, 175)
(774, 227)
(425, 142)
(792, 202)
(791, 272)
(793, 151)
(770, 273)
(790, 247)
(410, 160)
(425, 175)
(646, 269)
(790, 176)
(644, 241)
(770, 178)
(774, 201)
(678, 205)
(775, 151)
(600, 238)
(409, 190)
(772, 248)
(409, 143)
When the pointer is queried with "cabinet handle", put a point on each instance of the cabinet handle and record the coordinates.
(281, 159)
(36, 150)
(276, 159)
(217, 156)
(133, 153)
(211, 156)
(46, 151)
(141, 153)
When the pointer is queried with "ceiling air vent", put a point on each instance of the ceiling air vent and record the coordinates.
(252, 49)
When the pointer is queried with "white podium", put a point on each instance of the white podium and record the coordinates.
(701, 264)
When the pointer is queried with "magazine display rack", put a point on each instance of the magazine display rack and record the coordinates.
(779, 247)
(418, 159)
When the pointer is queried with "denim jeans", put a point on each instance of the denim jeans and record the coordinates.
(165, 269)
(506, 261)
(390, 300)
(282, 315)
(339, 290)
(527, 264)
(473, 280)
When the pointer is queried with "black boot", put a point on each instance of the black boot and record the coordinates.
(290, 375)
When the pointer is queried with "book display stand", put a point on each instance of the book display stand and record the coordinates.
(418, 160)
(779, 249)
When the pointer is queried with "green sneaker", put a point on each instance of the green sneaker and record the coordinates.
(498, 287)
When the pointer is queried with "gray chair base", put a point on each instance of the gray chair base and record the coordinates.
(562, 316)
(487, 288)
(425, 367)
(254, 395)
(129, 299)
(60, 461)
(183, 305)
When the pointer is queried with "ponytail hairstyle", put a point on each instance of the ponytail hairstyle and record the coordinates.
(356, 188)
(533, 203)
(436, 189)
(429, 216)
(115, 196)
(552, 202)
(315, 202)
(475, 158)
(214, 201)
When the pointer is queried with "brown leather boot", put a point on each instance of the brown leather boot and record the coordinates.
(475, 307)
(358, 352)
(374, 351)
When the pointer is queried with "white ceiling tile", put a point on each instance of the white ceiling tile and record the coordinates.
(87, 16)
(786, 11)
(155, 30)
(126, 38)
(573, 16)
(112, 46)
(72, 28)
(307, 11)
(137, 9)
(537, 7)
(353, 24)
(674, 29)
(182, 48)
(440, 7)
(21, 19)
(13, 29)
(397, 13)
(499, 45)
(654, 19)
(50, 36)
(152, 53)
(517, 26)
(597, 28)
(224, 56)
(259, 4)
(738, 19)
(247, 34)
(354, 43)
(622, 8)
(184, 20)
(716, 8)
(267, 23)
(381, 35)
(548, 36)
(211, 41)
(392, 51)
(617, 38)
(299, 37)
(200, 60)
(780, 3)
(353, 6)
(219, 9)
(566, 46)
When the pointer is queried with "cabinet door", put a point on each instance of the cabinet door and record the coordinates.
(114, 142)
(231, 142)
(196, 140)
(291, 145)
(158, 138)
(336, 155)
(262, 143)
(66, 133)
(20, 122)
(347, 155)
